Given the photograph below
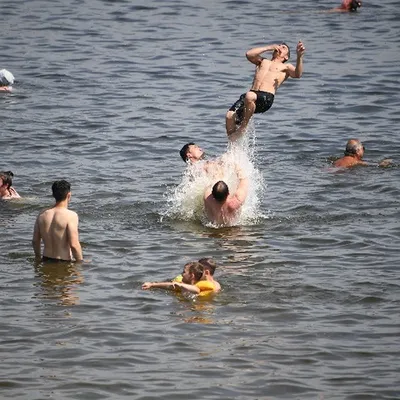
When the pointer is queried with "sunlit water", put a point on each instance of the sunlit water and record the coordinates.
(106, 94)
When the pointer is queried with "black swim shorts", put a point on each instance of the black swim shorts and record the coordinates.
(50, 259)
(263, 103)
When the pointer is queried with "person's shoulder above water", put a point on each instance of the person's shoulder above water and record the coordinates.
(6, 80)
(7, 192)
(347, 6)
(353, 155)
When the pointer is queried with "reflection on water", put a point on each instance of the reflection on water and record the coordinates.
(59, 282)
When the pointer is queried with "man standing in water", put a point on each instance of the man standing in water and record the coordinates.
(58, 228)
(221, 207)
(269, 75)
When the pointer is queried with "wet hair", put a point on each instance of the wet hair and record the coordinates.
(209, 264)
(184, 151)
(196, 269)
(220, 191)
(352, 147)
(6, 177)
(288, 48)
(60, 190)
(354, 5)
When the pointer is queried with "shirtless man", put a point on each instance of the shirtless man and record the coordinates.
(191, 153)
(221, 207)
(58, 228)
(7, 192)
(348, 6)
(269, 75)
(353, 156)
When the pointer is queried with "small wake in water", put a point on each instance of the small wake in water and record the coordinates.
(185, 201)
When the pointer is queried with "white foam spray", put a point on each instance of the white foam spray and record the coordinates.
(185, 202)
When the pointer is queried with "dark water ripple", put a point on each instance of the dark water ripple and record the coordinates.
(106, 94)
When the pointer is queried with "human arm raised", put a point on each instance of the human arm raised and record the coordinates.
(242, 190)
(254, 55)
(297, 72)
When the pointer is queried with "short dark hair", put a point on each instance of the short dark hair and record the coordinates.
(6, 177)
(184, 150)
(288, 48)
(220, 191)
(209, 264)
(60, 190)
(196, 269)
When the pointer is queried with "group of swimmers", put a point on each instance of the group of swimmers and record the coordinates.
(57, 227)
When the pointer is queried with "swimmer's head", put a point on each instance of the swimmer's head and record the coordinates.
(209, 265)
(355, 4)
(6, 178)
(192, 272)
(220, 191)
(351, 5)
(61, 190)
(6, 78)
(191, 152)
(354, 148)
(283, 50)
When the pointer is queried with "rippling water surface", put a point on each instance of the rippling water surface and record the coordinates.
(106, 94)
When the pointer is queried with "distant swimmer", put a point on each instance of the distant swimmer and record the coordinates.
(6, 80)
(58, 228)
(347, 6)
(353, 155)
(221, 207)
(191, 281)
(269, 75)
(7, 192)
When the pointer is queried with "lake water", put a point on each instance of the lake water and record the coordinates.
(106, 94)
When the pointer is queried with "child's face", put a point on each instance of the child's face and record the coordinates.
(187, 277)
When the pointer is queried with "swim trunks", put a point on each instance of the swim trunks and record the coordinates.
(263, 103)
(50, 259)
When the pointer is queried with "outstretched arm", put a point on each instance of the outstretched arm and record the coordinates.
(160, 285)
(254, 55)
(297, 72)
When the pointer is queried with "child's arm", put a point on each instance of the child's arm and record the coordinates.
(161, 285)
(189, 288)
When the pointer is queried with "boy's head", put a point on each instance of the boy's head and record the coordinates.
(209, 266)
(192, 273)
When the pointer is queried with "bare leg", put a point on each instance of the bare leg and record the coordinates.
(230, 122)
(249, 108)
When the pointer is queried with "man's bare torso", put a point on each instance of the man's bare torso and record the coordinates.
(221, 214)
(269, 76)
(53, 227)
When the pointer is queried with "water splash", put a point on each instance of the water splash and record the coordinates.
(185, 201)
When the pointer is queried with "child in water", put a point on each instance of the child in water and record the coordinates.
(6, 190)
(196, 278)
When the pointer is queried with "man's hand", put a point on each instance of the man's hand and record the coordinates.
(300, 49)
